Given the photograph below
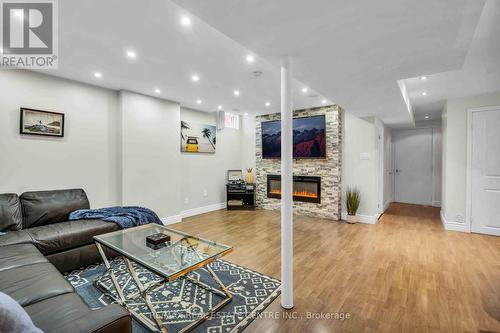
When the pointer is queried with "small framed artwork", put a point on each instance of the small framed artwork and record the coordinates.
(38, 122)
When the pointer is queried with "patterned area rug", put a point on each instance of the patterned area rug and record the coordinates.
(180, 302)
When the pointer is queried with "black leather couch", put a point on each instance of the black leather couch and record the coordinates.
(40, 243)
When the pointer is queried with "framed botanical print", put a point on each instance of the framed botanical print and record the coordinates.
(38, 122)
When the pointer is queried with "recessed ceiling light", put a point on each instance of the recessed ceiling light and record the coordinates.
(427, 117)
(185, 21)
(423, 78)
(195, 78)
(304, 90)
(198, 101)
(268, 104)
(246, 113)
(323, 101)
(236, 93)
(250, 58)
(131, 54)
(219, 107)
(97, 75)
(157, 91)
(424, 94)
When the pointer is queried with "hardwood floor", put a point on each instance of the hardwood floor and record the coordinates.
(404, 274)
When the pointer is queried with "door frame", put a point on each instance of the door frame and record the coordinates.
(468, 186)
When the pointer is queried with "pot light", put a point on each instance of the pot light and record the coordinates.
(185, 21)
(195, 78)
(323, 101)
(157, 91)
(423, 78)
(304, 90)
(219, 107)
(131, 54)
(97, 75)
(245, 114)
(250, 58)
(236, 93)
(424, 94)
(427, 117)
(268, 104)
(198, 101)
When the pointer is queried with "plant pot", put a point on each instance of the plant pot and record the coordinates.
(351, 219)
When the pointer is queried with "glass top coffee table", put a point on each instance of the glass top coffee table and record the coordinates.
(182, 254)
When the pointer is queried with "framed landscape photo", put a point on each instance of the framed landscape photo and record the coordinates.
(38, 122)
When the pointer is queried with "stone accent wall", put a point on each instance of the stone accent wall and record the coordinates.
(328, 169)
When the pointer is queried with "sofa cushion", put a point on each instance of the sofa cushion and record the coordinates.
(13, 318)
(59, 237)
(18, 255)
(15, 237)
(47, 207)
(10, 212)
(32, 283)
(68, 313)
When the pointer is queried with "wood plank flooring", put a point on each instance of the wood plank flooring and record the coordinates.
(404, 274)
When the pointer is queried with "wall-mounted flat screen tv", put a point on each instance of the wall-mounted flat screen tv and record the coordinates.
(309, 140)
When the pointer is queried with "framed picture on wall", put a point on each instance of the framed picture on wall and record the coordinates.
(198, 138)
(38, 122)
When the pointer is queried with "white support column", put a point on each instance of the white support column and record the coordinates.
(286, 185)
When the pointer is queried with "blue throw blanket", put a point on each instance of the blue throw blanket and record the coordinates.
(125, 217)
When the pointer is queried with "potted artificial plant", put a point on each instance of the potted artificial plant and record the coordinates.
(352, 200)
(249, 177)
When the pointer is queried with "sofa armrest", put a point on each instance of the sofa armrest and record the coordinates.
(109, 319)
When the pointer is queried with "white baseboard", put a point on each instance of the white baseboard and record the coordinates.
(369, 219)
(202, 210)
(436, 203)
(386, 205)
(192, 212)
(454, 226)
(171, 219)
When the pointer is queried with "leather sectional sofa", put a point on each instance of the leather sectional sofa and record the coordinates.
(39, 244)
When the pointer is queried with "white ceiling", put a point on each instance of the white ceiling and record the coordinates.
(351, 52)
(354, 52)
(479, 74)
(95, 35)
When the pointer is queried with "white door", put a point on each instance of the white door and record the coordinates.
(485, 172)
(413, 166)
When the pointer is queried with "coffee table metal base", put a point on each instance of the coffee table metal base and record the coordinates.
(157, 325)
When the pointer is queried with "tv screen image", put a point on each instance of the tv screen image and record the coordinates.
(308, 138)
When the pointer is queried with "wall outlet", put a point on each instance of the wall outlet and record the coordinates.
(186, 201)
(205, 193)
(460, 218)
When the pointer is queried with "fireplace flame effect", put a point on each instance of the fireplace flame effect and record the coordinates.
(305, 194)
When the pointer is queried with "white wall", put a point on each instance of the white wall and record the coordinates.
(248, 143)
(87, 155)
(206, 173)
(121, 147)
(359, 136)
(151, 168)
(455, 152)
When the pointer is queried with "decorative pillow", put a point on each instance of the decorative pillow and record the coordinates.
(13, 318)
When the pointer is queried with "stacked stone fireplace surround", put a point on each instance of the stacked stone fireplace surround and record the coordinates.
(329, 169)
